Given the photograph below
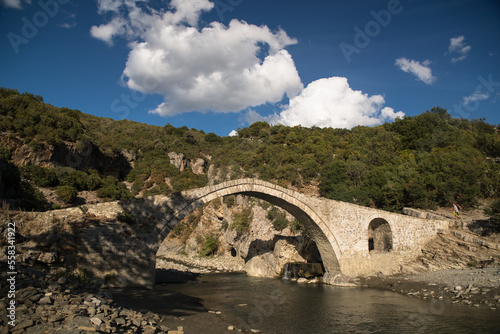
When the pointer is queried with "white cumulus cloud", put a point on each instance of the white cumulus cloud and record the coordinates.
(106, 32)
(215, 68)
(476, 96)
(331, 102)
(226, 68)
(457, 45)
(421, 70)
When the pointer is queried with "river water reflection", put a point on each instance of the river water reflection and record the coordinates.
(277, 306)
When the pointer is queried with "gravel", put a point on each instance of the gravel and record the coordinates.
(488, 277)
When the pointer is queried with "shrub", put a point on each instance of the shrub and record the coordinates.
(228, 201)
(296, 226)
(32, 198)
(186, 226)
(210, 245)
(113, 189)
(224, 225)
(212, 138)
(278, 219)
(241, 221)
(188, 180)
(66, 194)
(472, 263)
(75, 178)
(494, 210)
(126, 217)
(5, 153)
(42, 177)
(161, 189)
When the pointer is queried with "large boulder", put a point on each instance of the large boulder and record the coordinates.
(265, 265)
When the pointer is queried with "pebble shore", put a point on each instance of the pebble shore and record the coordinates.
(47, 304)
(475, 287)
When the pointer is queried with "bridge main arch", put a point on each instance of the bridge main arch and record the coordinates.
(289, 200)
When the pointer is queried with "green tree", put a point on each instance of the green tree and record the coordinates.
(43, 177)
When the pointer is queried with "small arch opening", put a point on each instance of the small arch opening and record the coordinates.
(379, 236)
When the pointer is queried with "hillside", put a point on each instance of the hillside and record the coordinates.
(56, 156)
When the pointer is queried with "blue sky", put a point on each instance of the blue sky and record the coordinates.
(220, 65)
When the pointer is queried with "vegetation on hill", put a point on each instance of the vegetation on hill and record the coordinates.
(424, 161)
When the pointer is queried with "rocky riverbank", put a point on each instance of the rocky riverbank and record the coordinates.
(199, 265)
(474, 286)
(48, 304)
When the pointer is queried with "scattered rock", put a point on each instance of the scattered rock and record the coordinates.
(96, 321)
(86, 328)
(24, 324)
(47, 257)
(45, 301)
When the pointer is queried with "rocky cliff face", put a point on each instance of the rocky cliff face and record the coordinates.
(259, 248)
(80, 155)
(180, 161)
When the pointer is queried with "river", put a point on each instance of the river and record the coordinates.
(280, 306)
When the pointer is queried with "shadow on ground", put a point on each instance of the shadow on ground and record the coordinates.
(162, 301)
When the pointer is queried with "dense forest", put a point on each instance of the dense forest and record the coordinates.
(425, 161)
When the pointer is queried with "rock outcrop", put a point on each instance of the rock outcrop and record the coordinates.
(178, 160)
(80, 155)
(197, 166)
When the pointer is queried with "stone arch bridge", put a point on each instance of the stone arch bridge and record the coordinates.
(352, 240)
